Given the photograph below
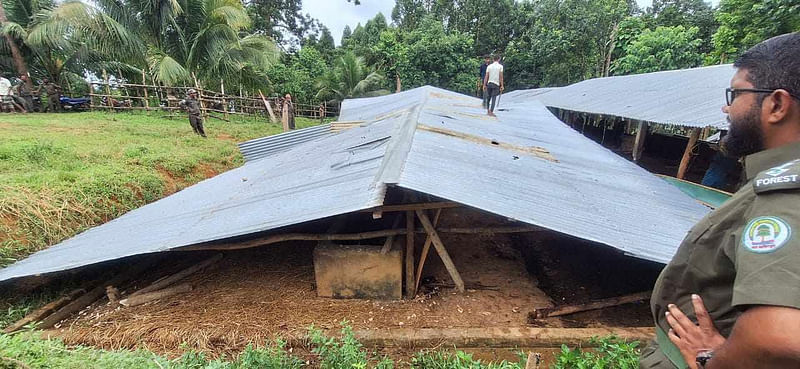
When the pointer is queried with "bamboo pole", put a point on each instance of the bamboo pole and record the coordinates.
(108, 89)
(224, 103)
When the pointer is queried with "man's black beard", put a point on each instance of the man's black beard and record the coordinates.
(744, 135)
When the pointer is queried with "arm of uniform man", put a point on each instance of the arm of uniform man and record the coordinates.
(763, 337)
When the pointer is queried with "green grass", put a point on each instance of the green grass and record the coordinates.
(345, 352)
(63, 173)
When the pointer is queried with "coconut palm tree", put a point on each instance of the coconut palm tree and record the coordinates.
(350, 78)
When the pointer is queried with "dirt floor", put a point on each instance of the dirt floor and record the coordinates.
(258, 294)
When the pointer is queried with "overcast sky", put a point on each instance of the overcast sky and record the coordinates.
(335, 14)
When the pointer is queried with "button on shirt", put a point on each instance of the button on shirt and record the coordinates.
(746, 252)
(493, 71)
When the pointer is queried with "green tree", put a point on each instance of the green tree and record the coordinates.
(280, 18)
(744, 23)
(349, 78)
(665, 48)
(346, 34)
(686, 13)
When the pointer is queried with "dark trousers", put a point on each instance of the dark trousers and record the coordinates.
(197, 124)
(493, 91)
(54, 105)
(486, 98)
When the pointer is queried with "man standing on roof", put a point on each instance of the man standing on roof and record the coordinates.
(493, 83)
(730, 297)
(482, 74)
(192, 106)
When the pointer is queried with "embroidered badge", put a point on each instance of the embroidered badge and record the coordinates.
(774, 172)
(766, 234)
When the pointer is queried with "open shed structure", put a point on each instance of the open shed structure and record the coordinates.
(687, 99)
(417, 151)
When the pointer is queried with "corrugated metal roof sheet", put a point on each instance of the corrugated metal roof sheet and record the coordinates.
(686, 97)
(526, 165)
(266, 146)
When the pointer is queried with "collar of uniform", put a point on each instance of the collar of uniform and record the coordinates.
(761, 161)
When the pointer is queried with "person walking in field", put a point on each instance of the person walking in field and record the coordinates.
(53, 96)
(192, 106)
(493, 83)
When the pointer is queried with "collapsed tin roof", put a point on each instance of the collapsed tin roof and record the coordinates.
(525, 165)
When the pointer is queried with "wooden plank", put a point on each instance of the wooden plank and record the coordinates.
(687, 153)
(90, 297)
(441, 250)
(390, 240)
(541, 313)
(425, 249)
(266, 240)
(44, 311)
(410, 290)
(418, 206)
(172, 279)
(269, 108)
(156, 295)
(638, 145)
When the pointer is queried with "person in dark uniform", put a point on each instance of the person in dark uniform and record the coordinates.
(25, 94)
(192, 106)
(730, 297)
(53, 96)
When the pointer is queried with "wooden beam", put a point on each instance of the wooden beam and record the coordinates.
(410, 291)
(441, 250)
(541, 313)
(425, 249)
(418, 206)
(172, 279)
(687, 153)
(43, 311)
(263, 241)
(641, 136)
(269, 108)
(152, 296)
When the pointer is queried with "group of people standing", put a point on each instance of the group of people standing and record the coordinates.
(491, 80)
(20, 97)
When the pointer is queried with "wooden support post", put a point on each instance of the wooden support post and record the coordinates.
(410, 291)
(108, 89)
(224, 102)
(687, 153)
(440, 249)
(425, 249)
(144, 87)
(285, 116)
(638, 145)
(390, 240)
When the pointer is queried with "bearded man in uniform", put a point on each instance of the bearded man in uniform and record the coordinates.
(730, 297)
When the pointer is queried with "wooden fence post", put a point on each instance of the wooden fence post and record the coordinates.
(146, 97)
(224, 103)
(108, 89)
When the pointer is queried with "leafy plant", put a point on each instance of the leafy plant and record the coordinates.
(344, 352)
(457, 360)
(611, 353)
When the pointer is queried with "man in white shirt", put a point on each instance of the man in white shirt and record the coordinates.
(493, 83)
(5, 94)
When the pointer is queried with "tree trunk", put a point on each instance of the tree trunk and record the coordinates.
(19, 62)
(398, 83)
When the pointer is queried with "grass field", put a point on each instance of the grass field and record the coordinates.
(63, 173)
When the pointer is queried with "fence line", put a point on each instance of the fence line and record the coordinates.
(132, 96)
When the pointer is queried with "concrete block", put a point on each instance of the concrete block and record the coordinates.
(357, 271)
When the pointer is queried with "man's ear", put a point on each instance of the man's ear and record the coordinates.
(777, 105)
